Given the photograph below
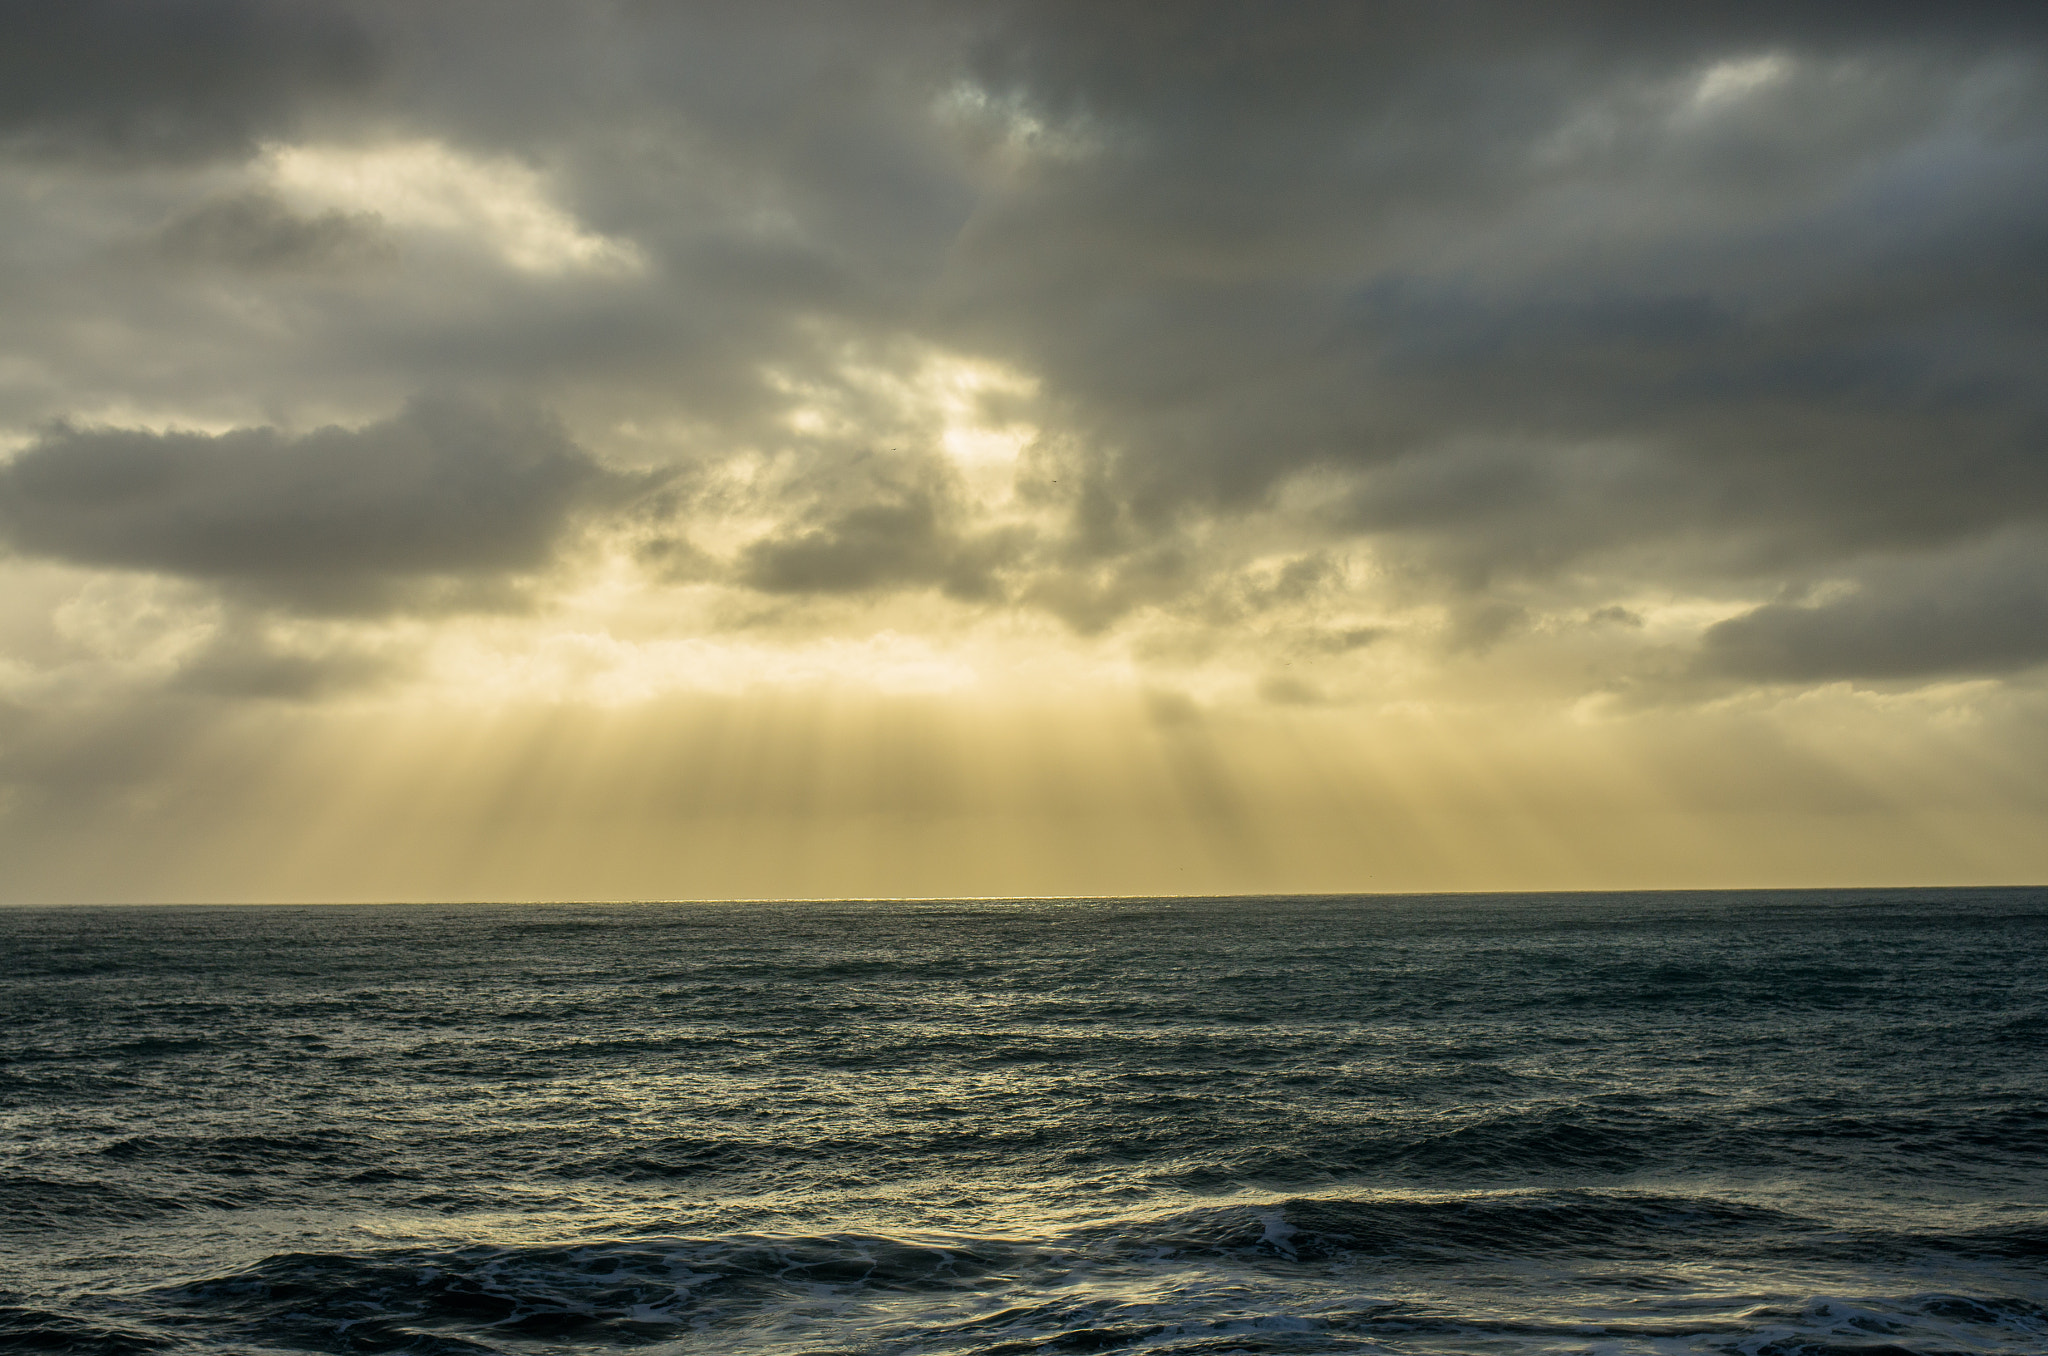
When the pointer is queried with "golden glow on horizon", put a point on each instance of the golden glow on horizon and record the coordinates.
(826, 791)
(621, 745)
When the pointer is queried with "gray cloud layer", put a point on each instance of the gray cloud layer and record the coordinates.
(1549, 306)
(256, 232)
(170, 79)
(1985, 612)
(334, 518)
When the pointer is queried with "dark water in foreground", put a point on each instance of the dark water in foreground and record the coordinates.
(1810, 1123)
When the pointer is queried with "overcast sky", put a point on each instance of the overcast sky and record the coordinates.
(578, 449)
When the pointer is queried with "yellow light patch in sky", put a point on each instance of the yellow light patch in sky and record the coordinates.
(500, 204)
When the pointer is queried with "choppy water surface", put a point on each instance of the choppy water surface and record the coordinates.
(1809, 1123)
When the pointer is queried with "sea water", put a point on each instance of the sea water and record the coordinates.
(1767, 1123)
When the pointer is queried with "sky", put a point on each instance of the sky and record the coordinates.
(607, 450)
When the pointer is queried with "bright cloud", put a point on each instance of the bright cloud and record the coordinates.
(499, 204)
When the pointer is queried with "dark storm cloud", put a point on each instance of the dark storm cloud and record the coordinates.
(335, 519)
(1339, 244)
(1702, 294)
(1579, 298)
(170, 79)
(1984, 614)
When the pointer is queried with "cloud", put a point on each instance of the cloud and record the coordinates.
(909, 541)
(1531, 311)
(257, 232)
(243, 662)
(1983, 613)
(445, 493)
(500, 204)
(1377, 246)
(171, 80)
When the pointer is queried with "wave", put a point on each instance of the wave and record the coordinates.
(30, 1329)
(1518, 1271)
(1459, 1228)
(27, 1200)
(1163, 1142)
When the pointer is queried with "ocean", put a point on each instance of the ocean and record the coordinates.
(1771, 1123)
